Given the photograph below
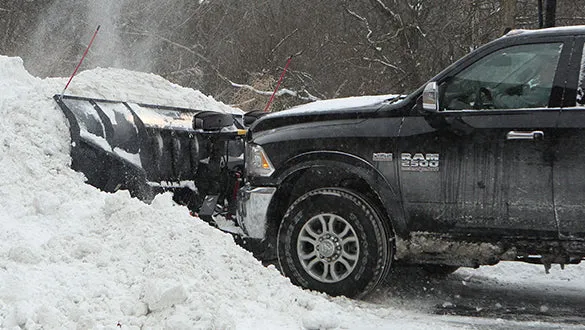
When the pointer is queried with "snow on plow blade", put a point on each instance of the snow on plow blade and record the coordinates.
(139, 147)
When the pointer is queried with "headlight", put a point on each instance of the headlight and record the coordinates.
(257, 162)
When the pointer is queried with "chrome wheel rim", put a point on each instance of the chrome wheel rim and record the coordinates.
(328, 248)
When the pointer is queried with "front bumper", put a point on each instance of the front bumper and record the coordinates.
(253, 205)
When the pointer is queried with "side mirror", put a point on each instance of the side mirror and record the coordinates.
(430, 97)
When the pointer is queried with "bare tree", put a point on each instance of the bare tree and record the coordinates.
(236, 49)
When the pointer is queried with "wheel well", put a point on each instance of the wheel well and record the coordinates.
(303, 181)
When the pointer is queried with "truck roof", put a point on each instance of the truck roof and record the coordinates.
(563, 30)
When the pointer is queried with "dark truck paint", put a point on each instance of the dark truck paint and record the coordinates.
(447, 182)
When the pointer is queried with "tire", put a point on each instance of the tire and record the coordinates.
(332, 240)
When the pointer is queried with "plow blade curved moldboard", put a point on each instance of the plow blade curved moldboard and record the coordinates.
(122, 145)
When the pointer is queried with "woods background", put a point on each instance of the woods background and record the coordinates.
(349, 47)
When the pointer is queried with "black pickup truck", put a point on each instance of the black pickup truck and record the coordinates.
(484, 163)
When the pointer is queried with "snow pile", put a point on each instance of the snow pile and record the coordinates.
(74, 257)
(139, 87)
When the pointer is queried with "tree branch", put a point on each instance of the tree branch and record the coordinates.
(283, 40)
(370, 32)
(388, 10)
(282, 91)
(384, 63)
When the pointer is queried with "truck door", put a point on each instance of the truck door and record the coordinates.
(483, 165)
(569, 165)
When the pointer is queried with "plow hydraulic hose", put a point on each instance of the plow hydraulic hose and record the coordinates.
(81, 61)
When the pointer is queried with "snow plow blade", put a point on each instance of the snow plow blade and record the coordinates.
(145, 148)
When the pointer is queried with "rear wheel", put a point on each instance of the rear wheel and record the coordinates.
(332, 240)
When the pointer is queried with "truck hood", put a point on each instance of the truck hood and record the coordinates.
(344, 104)
(333, 109)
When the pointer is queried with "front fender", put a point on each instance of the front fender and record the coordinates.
(386, 192)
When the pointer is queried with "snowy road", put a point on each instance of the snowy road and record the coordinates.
(509, 295)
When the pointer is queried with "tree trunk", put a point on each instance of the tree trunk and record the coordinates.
(540, 14)
(550, 8)
(509, 9)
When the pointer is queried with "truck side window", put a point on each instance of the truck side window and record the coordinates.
(581, 85)
(510, 78)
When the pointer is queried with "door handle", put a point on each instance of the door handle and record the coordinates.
(525, 135)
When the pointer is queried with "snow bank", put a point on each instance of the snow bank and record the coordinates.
(74, 257)
(120, 84)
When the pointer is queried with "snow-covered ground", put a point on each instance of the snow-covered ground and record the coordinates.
(72, 257)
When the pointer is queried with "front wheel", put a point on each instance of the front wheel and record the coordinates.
(332, 240)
